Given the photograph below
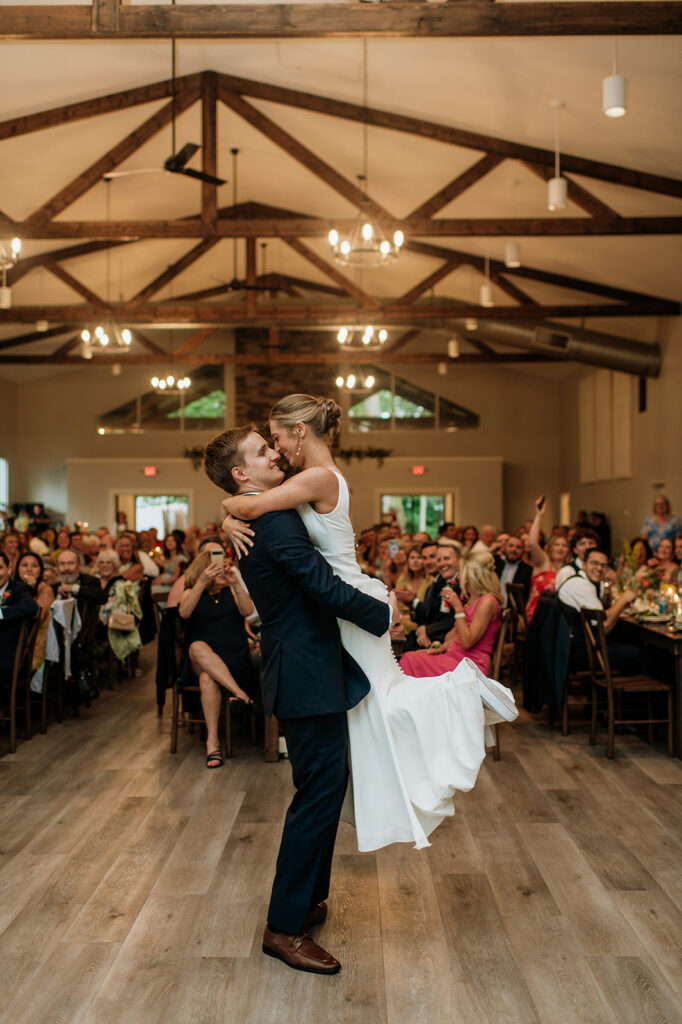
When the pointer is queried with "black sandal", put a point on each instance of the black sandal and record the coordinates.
(215, 755)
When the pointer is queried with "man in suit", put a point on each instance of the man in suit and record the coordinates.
(88, 593)
(433, 616)
(16, 604)
(309, 683)
(512, 568)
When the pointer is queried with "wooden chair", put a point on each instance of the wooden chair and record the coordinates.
(496, 667)
(21, 681)
(615, 687)
(516, 603)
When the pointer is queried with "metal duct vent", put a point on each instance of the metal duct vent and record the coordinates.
(552, 339)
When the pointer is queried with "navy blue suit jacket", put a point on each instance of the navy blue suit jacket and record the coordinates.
(305, 671)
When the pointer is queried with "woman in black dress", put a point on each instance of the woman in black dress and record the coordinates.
(214, 604)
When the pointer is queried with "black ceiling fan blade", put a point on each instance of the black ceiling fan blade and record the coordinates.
(201, 176)
(176, 161)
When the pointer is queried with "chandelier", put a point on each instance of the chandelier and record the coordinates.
(103, 336)
(356, 382)
(368, 341)
(367, 245)
(170, 384)
(9, 254)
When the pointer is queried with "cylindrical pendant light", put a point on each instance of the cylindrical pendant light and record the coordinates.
(512, 254)
(453, 348)
(487, 295)
(614, 90)
(557, 187)
(557, 193)
(471, 323)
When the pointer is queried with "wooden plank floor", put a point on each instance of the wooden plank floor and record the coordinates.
(134, 884)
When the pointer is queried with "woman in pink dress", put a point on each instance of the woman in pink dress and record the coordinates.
(546, 561)
(477, 621)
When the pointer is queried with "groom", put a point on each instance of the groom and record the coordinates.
(309, 682)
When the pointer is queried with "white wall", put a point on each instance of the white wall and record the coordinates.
(656, 446)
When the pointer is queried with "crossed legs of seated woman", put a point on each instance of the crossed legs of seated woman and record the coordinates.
(214, 676)
(215, 603)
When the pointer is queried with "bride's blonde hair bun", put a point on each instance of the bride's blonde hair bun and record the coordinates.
(322, 415)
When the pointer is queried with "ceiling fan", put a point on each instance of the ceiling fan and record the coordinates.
(176, 162)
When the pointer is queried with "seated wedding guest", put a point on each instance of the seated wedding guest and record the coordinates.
(11, 547)
(149, 566)
(107, 571)
(120, 597)
(499, 546)
(469, 536)
(77, 544)
(486, 539)
(383, 566)
(421, 537)
(512, 569)
(582, 540)
(434, 616)
(215, 604)
(74, 583)
(16, 604)
(664, 563)
(50, 575)
(582, 591)
(130, 565)
(49, 537)
(174, 562)
(63, 540)
(429, 552)
(476, 621)
(30, 570)
(448, 530)
(546, 560)
(642, 554)
(412, 583)
(662, 525)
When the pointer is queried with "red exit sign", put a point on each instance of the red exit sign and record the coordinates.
(417, 471)
(150, 470)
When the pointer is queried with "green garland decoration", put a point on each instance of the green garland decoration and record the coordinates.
(365, 453)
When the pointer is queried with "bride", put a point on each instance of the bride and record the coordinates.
(413, 742)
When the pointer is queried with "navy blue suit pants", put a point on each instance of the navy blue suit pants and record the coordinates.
(318, 751)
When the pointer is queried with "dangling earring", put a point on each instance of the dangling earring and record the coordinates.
(298, 447)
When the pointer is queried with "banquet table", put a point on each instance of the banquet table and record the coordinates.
(658, 635)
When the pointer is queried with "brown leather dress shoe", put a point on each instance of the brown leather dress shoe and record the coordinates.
(316, 915)
(299, 952)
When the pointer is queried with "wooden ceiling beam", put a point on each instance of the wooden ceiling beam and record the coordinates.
(510, 289)
(272, 356)
(429, 282)
(26, 339)
(458, 185)
(28, 263)
(150, 345)
(311, 227)
(192, 343)
(71, 112)
(456, 136)
(63, 275)
(544, 276)
(172, 272)
(68, 345)
(402, 340)
(307, 315)
(120, 152)
(209, 142)
(108, 20)
(295, 149)
(576, 193)
(352, 289)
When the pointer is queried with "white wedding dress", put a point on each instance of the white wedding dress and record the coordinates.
(413, 742)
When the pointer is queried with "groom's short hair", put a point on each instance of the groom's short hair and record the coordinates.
(223, 453)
